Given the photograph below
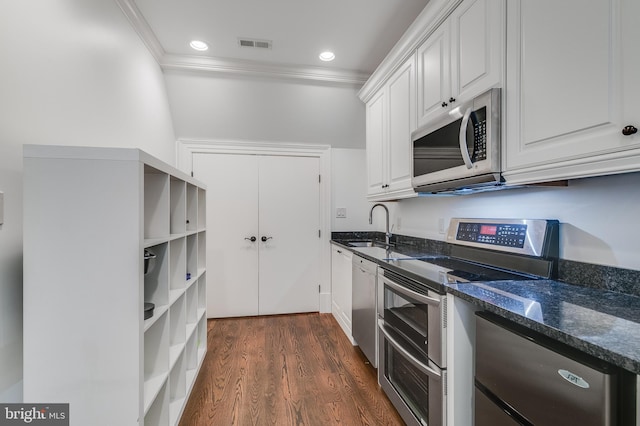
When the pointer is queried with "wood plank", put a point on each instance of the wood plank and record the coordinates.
(285, 370)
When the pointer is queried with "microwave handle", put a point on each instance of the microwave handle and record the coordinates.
(463, 139)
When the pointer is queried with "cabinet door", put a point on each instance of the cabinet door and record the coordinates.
(376, 143)
(434, 75)
(477, 48)
(572, 86)
(341, 287)
(401, 93)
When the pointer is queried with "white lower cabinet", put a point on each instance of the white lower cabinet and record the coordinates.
(341, 277)
(572, 87)
(90, 214)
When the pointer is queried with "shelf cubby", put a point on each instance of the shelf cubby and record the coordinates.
(178, 264)
(156, 203)
(201, 338)
(158, 413)
(177, 329)
(192, 207)
(177, 389)
(202, 293)
(156, 359)
(156, 280)
(192, 304)
(178, 213)
(192, 256)
(202, 209)
(202, 251)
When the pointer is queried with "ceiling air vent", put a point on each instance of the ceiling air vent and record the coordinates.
(249, 42)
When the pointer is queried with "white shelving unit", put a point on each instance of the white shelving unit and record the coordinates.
(89, 215)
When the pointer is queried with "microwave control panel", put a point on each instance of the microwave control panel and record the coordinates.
(496, 234)
(478, 121)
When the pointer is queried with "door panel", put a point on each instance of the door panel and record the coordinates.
(232, 216)
(290, 215)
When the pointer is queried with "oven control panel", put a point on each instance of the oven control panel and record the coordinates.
(532, 237)
(498, 234)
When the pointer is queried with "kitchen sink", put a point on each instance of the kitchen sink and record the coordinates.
(367, 244)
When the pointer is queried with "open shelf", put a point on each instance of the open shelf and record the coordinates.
(131, 203)
(178, 264)
(202, 209)
(192, 207)
(177, 389)
(156, 203)
(202, 250)
(178, 214)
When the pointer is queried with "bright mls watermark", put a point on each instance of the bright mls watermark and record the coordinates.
(34, 414)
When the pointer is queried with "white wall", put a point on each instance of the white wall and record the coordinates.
(598, 216)
(349, 189)
(211, 107)
(73, 73)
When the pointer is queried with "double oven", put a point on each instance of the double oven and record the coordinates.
(412, 303)
(412, 348)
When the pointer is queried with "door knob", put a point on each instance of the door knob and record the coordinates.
(629, 130)
(264, 239)
(252, 239)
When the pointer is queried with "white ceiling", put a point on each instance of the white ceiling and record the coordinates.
(360, 32)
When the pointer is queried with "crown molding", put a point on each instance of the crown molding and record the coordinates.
(142, 27)
(233, 67)
(236, 67)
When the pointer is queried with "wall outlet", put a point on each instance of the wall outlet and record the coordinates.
(398, 223)
(341, 212)
(441, 225)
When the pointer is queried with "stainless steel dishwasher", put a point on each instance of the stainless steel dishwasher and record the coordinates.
(363, 314)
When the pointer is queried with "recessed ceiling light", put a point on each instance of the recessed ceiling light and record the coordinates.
(327, 56)
(198, 45)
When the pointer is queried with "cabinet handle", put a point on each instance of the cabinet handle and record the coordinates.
(452, 99)
(252, 239)
(264, 239)
(629, 130)
(444, 104)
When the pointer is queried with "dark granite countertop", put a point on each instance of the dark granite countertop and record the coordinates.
(601, 323)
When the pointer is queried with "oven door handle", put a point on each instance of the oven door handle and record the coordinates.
(413, 360)
(410, 293)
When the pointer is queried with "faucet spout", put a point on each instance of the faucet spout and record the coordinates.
(387, 234)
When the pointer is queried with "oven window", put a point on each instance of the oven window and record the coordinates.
(411, 384)
(407, 316)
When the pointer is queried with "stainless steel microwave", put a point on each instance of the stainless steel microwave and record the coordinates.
(461, 149)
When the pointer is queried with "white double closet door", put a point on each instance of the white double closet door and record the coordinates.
(276, 200)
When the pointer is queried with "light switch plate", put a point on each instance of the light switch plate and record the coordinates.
(341, 212)
(1, 208)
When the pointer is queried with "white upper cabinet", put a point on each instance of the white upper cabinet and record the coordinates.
(572, 87)
(461, 58)
(390, 121)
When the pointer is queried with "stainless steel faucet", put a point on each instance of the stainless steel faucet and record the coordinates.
(387, 234)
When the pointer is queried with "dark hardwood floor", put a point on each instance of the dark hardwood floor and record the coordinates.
(285, 370)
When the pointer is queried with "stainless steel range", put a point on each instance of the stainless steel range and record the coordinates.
(412, 306)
